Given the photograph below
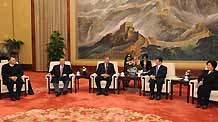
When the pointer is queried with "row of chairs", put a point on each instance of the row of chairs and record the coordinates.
(145, 79)
(145, 85)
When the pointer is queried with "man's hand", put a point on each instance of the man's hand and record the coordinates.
(200, 83)
(105, 75)
(153, 77)
(14, 78)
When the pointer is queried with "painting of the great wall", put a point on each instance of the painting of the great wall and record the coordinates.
(174, 29)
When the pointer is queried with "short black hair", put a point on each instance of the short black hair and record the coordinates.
(145, 56)
(12, 56)
(159, 58)
(213, 63)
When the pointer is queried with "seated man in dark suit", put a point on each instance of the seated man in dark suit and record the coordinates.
(158, 75)
(105, 71)
(11, 74)
(61, 73)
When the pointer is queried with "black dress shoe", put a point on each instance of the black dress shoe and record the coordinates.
(106, 94)
(65, 92)
(198, 105)
(17, 98)
(98, 93)
(204, 107)
(13, 99)
(151, 97)
(158, 97)
(58, 94)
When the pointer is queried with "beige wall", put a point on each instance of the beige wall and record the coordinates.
(75, 61)
(21, 24)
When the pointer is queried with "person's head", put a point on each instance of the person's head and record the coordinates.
(62, 61)
(12, 60)
(106, 59)
(145, 57)
(211, 65)
(158, 60)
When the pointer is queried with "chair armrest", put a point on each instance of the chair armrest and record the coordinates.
(93, 75)
(25, 78)
(195, 82)
(116, 75)
(71, 75)
(48, 76)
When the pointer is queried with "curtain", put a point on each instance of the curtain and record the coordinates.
(50, 15)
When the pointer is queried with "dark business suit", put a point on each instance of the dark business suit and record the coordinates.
(102, 70)
(8, 71)
(57, 76)
(210, 82)
(160, 76)
(147, 67)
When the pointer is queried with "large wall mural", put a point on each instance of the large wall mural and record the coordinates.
(173, 29)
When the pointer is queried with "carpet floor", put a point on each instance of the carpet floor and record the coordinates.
(176, 110)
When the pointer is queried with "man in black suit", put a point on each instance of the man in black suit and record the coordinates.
(158, 75)
(104, 71)
(11, 74)
(61, 73)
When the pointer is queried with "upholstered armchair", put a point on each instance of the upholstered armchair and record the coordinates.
(166, 86)
(103, 83)
(48, 77)
(3, 88)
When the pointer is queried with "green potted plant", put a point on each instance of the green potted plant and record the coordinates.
(13, 46)
(55, 46)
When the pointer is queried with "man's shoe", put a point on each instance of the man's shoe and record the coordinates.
(106, 94)
(98, 93)
(58, 94)
(65, 92)
(158, 97)
(204, 107)
(198, 105)
(151, 97)
(13, 99)
(17, 98)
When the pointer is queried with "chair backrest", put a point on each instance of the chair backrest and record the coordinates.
(4, 61)
(53, 63)
(171, 69)
(113, 62)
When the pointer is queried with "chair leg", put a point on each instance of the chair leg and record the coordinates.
(25, 87)
(71, 86)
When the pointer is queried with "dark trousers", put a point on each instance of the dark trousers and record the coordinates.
(159, 83)
(98, 79)
(10, 86)
(56, 83)
(203, 94)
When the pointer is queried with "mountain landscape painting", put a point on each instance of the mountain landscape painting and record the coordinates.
(173, 29)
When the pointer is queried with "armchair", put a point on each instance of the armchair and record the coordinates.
(48, 77)
(103, 83)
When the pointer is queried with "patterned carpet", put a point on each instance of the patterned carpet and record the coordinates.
(80, 114)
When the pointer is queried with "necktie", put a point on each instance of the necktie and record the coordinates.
(156, 70)
(106, 68)
(61, 70)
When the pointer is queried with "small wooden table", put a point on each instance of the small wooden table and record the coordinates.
(126, 78)
(182, 82)
(78, 77)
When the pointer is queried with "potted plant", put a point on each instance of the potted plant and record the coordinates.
(13, 46)
(56, 46)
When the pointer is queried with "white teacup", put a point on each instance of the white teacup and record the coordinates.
(122, 74)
